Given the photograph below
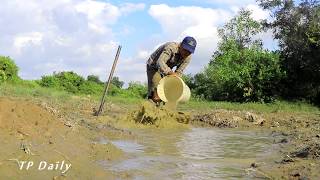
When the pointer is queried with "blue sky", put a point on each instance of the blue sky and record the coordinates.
(82, 35)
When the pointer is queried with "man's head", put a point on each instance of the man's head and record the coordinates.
(188, 45)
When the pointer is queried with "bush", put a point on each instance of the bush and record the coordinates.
(90, 87)
(68, 81)
(250, 74)
(136, 89)
(8, 69)
(49, 81)
(116, 81)
(94, 78)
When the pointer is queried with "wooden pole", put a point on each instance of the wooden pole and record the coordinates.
(108, 82)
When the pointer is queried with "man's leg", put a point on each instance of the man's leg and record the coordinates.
(150, 74)
(153, 80)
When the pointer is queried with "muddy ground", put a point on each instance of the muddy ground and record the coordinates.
(37, 130)
(297, 134)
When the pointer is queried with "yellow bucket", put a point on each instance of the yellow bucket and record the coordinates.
(172, 89)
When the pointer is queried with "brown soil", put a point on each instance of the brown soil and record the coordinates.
(34, 132)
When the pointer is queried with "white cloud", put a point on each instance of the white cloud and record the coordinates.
(230, 2)
(21, 41)
(47, 36)
(131, 7)
(257, 12)
(99, 14)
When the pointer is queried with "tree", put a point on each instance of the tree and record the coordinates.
(297, 27)
(8, 69)
(241, 29)
(240, 70)
(94, 78)
(116, 81)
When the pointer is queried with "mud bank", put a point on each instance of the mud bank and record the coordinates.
(37, 143)
(297, 134)
(147, 115)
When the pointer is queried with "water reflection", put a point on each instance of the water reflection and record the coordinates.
(199, 153)
(203, 143)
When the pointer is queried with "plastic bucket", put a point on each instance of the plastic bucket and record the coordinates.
(172, 89)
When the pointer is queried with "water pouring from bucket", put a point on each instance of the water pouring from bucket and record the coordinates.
(172, 90)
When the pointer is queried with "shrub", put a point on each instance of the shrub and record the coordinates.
(250, 74)
(116, 81)
(8, 69)
(136, 89)
(68, 81)
(94, 78)
(49, 81)
(90, 87)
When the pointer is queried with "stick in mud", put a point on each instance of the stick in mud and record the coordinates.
(97, 113)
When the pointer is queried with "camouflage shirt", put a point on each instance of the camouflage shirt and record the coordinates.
(166, 57)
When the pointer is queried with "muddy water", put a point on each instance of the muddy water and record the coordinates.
(199, 153)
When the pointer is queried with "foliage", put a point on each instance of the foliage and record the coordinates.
(68, 81)
(49, 81)
(137, 89)
(241, 29)
(116, 81)
(297, 27)
(94, 78)
(90, 87)
(249, 74)
(8, 69)
(240, 70)
(74, 83)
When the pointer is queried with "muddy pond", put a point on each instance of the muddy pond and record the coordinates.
(196, 153)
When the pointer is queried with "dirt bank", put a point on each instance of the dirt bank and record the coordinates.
(36, 134)
(298, 135)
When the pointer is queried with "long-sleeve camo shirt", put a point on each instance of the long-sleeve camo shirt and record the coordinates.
(166, 57)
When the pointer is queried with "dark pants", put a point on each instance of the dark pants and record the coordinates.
(154, 78)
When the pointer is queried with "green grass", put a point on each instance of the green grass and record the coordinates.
(278, 106)
(29, 89)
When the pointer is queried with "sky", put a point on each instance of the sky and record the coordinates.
(45, 36)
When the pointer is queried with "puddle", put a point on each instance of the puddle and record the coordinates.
(199, 153)
(126, 146)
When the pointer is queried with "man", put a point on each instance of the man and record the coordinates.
(164, 59)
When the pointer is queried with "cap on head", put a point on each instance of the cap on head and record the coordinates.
(189, 44)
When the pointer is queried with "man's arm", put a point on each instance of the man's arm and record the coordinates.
(163, 59)
(183, 65)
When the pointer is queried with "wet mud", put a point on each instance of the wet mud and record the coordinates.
(297, 134)
(148, 115)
